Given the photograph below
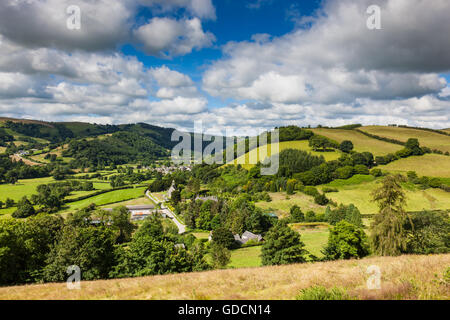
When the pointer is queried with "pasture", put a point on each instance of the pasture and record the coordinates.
(429, 139)
(361, 142)
(360, 196)
(106, 198)
(282, 203)
(245, 257)
(432, 165)
(254, 154)
(22, 188)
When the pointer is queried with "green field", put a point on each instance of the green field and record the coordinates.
(106, 198)
(301, 145)
(245, 257)
(139, 201)
(22, 188)
(432, 165)
(429, 139)
(314, 238)
(361, 142)
(281, 203)
(360, 196)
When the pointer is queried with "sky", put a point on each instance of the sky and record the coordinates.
(231, 64)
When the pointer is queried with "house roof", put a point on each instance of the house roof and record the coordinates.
(141, 207)
(135, 207)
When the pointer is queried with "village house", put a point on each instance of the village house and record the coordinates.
(247, 236)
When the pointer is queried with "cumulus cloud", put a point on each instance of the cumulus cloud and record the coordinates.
(329, 70)
(338, 59)
(169, 37)
(105, 24)
(43, 23)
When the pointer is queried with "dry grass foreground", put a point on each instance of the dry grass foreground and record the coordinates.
(404, 277)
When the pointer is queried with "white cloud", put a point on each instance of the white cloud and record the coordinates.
(338, 59)
(169, 37)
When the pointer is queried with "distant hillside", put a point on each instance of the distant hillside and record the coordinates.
(404, 277)
(432, 139)
(360, 141)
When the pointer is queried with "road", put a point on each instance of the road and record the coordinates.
(181, 227)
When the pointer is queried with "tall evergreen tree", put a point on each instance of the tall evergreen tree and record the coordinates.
(387, 230)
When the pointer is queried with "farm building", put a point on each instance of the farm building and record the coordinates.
(247, 236)
(140, 212)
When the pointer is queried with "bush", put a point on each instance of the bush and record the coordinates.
(321, 293)
(297, 214)
(321, 199)
(344, 172)
(329, 190)
(429, 233)
(310, 191)
(376, 172)
(310, 216)
(346, 241)
(361, 169)
(24, 209)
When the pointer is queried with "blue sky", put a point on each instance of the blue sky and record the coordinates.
(232, 64)
(236, 21)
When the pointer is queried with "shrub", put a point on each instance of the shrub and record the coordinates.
(310, 216)
(321, 199)
(321, 293)
(376, 172)
(310, 191)
(329, 190)
(297, 214)
(220, 255)
(344, 172)
(361, 169)
(346, 241)
(24, 209)
(428, 233)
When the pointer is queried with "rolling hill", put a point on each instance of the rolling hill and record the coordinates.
(433, 165)
(430, 139)
(300, 145)
(360, 141)
(403, 277)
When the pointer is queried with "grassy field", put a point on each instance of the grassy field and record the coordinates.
(426, 138)
(246, 257)
(22, 188)
(403, 277)
(106, 198)
(301, 145)
(139, 201)
(314, 238)
(432, 165)
(360, 195)
(281, 203)
(361, 142)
